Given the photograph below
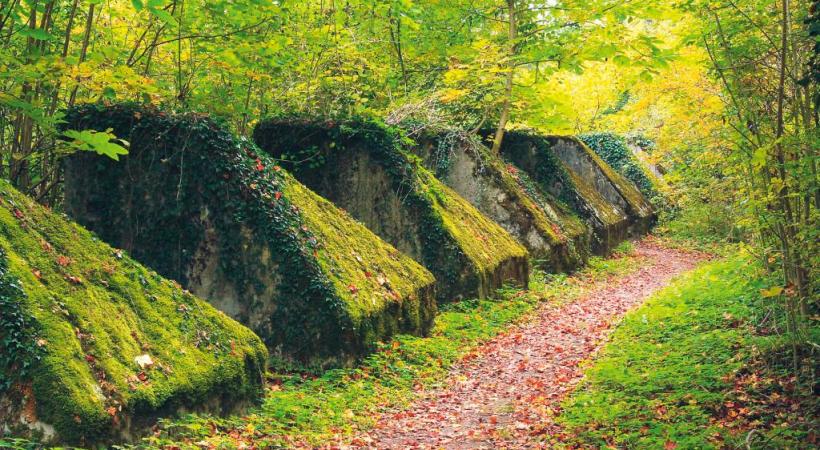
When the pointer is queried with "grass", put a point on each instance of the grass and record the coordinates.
(693, 368)
(315, 408)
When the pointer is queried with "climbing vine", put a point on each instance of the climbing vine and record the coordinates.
(18, 336)
(613, 149)
(204, 182)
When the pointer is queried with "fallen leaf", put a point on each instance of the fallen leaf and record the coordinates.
(144, 361)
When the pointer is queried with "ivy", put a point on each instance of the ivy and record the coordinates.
(613, 149)
(304, 145)
(18, 335)
(200, 176)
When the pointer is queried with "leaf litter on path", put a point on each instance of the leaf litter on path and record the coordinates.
(508, 393)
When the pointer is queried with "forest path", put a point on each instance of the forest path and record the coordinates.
(506, 394)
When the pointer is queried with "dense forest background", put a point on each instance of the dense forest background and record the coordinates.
(721, 94)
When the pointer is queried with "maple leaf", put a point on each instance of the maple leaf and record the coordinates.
(63, 261)
(669, 445)
(277, 195)
(18, 214)
(259, 166)
(37, 274)
(353, 288)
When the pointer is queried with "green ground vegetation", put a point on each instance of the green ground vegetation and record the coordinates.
(703, 364)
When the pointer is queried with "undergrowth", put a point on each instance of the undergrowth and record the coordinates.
(305, 408)
(703, 364)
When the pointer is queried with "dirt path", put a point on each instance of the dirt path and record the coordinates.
(506, 395)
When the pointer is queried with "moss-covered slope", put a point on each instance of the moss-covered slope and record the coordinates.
(94, 347)
(532, 154)
(210, 210)
(364, 168)
(613, 186)
(556, 240)
(615, 151)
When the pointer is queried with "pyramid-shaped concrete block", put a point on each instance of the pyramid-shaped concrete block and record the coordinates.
(211, 211)
(95, 347)
(557, 240)
(366, 168)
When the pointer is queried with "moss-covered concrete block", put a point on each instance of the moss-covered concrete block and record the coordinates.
(213, 212)
(95, 347)
(365, 168)
(556, 239)
(565, 167)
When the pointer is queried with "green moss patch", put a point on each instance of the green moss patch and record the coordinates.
(365, 168)
(95, 346)
(533, 154)
(554, 237)
(212, 211)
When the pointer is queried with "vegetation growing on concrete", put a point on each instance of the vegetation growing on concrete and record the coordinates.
(340, 289)
(96, 345)
(528, 207)
(532, 153)
(613, 149)
(462, 248)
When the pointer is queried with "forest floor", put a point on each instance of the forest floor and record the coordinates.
(506, 393)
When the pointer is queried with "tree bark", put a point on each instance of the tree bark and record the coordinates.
(512, 32)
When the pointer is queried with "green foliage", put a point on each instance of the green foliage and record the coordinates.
(670, 369)
(101, 142)
(314, 409)
(75, 315)
(278, 243)
(612, 148)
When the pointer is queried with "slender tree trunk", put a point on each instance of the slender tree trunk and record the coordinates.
(89, 25)
(512, 33)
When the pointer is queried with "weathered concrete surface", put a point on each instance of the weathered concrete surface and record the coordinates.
(557, 242)
(364, 169)
(212, 212)
(95, 347)
(567, 169)
(613, 186)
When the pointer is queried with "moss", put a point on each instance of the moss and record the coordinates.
(638, 205)
(188, 184)
(613, 149)
(528, 208)
(532, 152)
(377, 275)
(457, 243)
(92, 311)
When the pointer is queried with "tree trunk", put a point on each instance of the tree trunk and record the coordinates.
(512, 32)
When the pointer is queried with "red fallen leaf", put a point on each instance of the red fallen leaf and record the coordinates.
(353, 288)
(277, 195)
(63, 261)
(18, 214)
(37, 274)
(259, 166)
(367, 274)
(90, 358)
(669, 445)
(112, 411)
(73, 279)
(493, 420)
(277, 168)
(142, 376)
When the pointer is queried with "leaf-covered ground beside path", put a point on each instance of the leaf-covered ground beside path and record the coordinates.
(305, 410)
(506, 393)
(701, 365)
